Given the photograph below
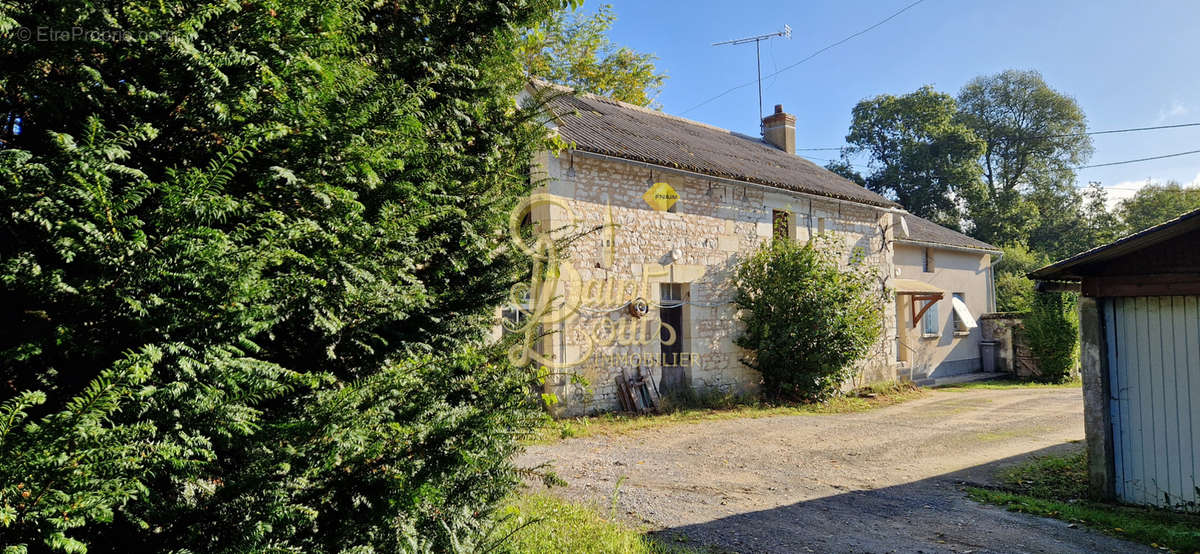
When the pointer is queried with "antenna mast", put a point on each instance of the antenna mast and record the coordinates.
(786, 33)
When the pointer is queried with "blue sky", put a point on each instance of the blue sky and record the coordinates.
(1128, 64)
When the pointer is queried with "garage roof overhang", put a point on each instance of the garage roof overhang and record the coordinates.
(1161, 260)
(1080, 265)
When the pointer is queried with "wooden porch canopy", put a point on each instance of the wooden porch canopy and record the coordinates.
(919, 291)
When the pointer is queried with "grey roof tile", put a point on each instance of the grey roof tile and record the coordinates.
(605, 126)
(923, 230)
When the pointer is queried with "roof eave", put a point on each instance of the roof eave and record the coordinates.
(913, 242)
(1060, 270)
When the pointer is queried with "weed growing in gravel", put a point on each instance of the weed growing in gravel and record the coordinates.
(536, 523)
(1056, 486)
(1001, 384)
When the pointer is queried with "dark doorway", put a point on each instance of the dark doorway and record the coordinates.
(670, 311)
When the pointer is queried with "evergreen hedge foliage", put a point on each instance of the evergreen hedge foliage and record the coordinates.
(249, 255)
(1052, 329)
(807, 320)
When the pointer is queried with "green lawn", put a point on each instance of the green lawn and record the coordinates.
(1056, 486)
(866, 398)
(539, 522)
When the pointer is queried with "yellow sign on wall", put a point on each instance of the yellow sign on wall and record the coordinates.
(661, 196)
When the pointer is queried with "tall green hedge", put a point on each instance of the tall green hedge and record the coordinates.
(249, 252)
(807, 321)
(1052, 329)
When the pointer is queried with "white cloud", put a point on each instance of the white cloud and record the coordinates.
(1126, 189)
(1123, 190)
(1174, 110)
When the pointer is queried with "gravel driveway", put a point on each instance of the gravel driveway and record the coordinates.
(886, 480)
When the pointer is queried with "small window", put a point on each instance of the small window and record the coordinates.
(781, 224)
(960, 326)
(963, 320)
(927, 262)
(929, 322)
(516, 316)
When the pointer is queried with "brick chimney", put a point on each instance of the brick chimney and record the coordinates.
(779, 129)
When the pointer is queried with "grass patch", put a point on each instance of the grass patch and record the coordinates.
(1003, 384)
(1056, 486)
(723, 407)
(536, 523)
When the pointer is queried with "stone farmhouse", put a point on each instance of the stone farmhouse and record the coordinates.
(662, 209)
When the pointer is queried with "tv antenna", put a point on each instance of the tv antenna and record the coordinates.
(785, 33)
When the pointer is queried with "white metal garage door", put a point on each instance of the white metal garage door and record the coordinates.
(1154, 372)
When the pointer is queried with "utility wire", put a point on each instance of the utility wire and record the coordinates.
(810, 56)
(1139, 160)
(1130, 130)
(1108, 132)
(1122, 162)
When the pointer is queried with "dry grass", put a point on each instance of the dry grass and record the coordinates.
(1002, 384)
(716, 408)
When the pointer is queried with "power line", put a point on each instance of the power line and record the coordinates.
(1108, 132)
(1129, 130)
(1139, 160)
(856, 166)
(809, 57)
(1122, 162)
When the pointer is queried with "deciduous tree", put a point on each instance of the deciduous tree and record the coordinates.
(1155, 203)
(920, 154)
(573, 49)
(1034, 134)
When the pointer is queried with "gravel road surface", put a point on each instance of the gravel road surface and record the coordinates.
(887, 480)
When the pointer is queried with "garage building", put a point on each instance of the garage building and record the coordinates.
(1140, 351)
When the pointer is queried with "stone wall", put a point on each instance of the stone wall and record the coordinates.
(623, 249)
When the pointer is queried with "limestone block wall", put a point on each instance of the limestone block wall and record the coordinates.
(624, 249)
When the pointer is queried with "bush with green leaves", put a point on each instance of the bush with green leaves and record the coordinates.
(807, 321)
(1052, 330)
(1015, 291)
(250, 255)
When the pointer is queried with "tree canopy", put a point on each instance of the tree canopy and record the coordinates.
(1156, 203)
(573, 49)
(920, 154)
(997, 162)
(1034, 136)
